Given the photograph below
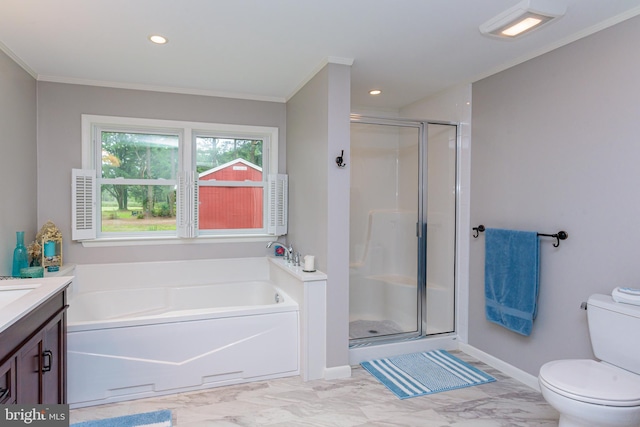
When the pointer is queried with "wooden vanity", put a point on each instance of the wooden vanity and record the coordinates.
(33, 341)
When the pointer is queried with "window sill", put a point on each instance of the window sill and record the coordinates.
(170, 240)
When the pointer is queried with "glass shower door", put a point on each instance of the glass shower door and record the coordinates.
(402, 229)
(384, 210)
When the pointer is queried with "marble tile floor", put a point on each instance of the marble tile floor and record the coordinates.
(350, 402)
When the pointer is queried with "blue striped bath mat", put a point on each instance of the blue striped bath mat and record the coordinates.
(147, 419)
(417, 374)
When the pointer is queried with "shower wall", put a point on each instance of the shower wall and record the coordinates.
(384, 181)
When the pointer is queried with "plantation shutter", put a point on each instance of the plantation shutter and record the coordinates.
(278, 204)
(83, 204)
(188, 204)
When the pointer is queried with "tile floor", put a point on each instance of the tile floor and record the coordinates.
(357, 401)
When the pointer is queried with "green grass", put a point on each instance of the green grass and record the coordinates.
(130, 223)
(132, 228)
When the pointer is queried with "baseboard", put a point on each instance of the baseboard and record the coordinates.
(337, 372)
(502, 366)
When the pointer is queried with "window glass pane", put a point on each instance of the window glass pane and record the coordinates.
(229, 159)
(139, 155)
(230, 208)
(138, 208)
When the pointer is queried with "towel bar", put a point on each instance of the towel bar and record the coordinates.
(560, 235)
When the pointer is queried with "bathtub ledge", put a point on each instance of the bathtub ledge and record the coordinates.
(297, 271)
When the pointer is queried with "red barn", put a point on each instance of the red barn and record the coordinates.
(231, 207)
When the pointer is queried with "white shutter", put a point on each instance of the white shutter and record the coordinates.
(83, 204)
(187, 204)
(278, 204)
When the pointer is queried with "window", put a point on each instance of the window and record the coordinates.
(154, 178)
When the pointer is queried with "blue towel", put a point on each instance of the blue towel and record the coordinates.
(511, 278)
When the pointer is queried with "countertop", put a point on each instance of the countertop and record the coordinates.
(19, 297)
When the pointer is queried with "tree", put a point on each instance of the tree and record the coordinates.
(213, 152)
(139, 156)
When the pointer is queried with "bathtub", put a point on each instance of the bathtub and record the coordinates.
(139, 330)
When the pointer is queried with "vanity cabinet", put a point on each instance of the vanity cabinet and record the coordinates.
(33, 355)
(8, 382)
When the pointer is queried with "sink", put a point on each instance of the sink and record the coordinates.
(9, 294)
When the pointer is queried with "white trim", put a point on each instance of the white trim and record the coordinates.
(174, 240)
(337, 372)
(507, 369)
(138, 181)
(155, 88)
(18, 60)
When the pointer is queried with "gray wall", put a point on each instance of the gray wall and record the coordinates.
(18, 159)
(555, 147)
(317, 130)
(60, 107)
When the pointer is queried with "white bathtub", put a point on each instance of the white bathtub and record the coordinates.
(145, 329)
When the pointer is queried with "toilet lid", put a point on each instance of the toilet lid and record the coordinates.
(592, 382)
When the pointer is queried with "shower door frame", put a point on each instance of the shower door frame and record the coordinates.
(421, 226)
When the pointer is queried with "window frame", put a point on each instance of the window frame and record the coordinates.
(187, 133)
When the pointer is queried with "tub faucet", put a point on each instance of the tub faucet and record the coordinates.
(288, 251)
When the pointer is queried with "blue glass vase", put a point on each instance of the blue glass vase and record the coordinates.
(20, 257)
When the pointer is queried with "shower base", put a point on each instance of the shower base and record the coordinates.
(373, 328)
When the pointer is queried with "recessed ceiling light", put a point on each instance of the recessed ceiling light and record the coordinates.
(158, 39)
(375, 92)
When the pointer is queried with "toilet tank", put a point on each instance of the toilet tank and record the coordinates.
(615, 331)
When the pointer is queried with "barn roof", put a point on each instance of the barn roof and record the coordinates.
(228, 164)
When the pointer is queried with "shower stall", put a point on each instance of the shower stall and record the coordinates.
(402, 229)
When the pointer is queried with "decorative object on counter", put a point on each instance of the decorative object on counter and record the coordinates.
(50, 239)
(35, 253)
(309, 264)
(20, 259)
(32, 272)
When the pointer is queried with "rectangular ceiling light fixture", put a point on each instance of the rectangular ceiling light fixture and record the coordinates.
(524, 17)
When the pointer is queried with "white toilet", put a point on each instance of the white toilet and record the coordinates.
(606, 393)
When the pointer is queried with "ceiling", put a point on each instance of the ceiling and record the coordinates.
(267, 49)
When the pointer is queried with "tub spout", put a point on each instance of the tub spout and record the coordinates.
(288, 251)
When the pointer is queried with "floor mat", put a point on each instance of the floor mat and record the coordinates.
(418, 374)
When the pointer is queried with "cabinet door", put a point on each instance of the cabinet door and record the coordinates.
(28, 375)
(53, 365)
(8, 382)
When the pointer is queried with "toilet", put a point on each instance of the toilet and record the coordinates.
(588, 393)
